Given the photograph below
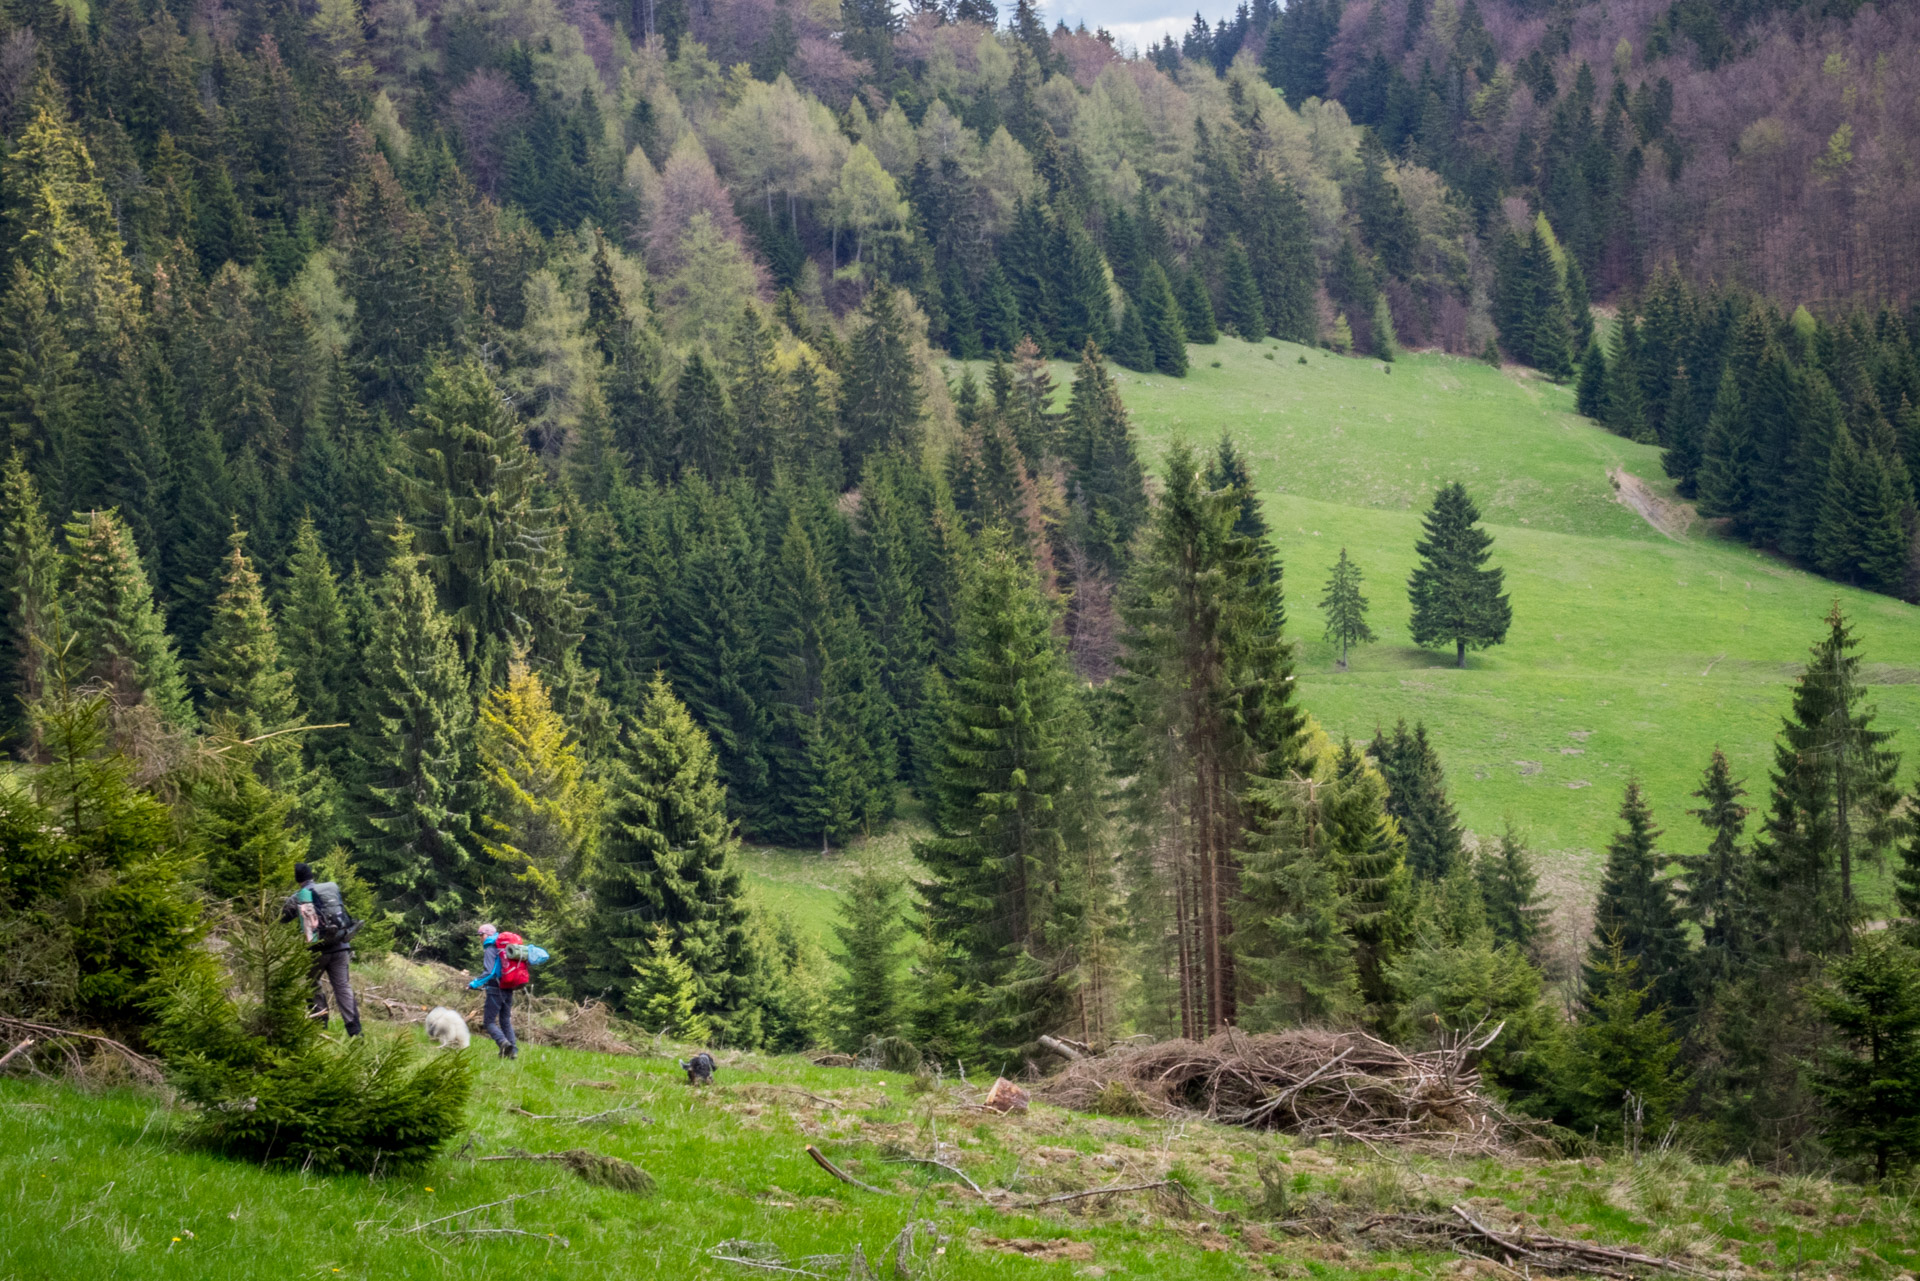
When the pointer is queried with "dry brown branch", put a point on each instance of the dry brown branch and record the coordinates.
(1310, 1082)
(591, 1118)
(549, 1237)
(15, 1050)
(755, 1086)
(1159, 1185)
(820, 1159)
(1533, 1252)
(927, 1160)
(143, 1068)
(518, 1196)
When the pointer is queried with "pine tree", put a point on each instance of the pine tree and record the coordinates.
(1716, 888)
(540, 813)
(663, 994)
(889, 600)
(119, 639)
(313, 631)
(1623, 1055)
(1870, 1082)
(1346, 608)
(872, 926)
(1280, 247)
(42, 391)
(1240, 305)
(1590, 396)
(1417, 799)
(1108, 484)
(704, 435)
(1207, 681)
(882, 401)
(833, 744)
(1833, 801)
(495, 552)
(1728, 458)
(1160, 317)
(1636, 914)
(1196, 310)
(244, 682)
(244, 834)
(1002, 893)
(1454, 599)
(412, 741)
(1860, 537)
(810, 429)
(1511, 888)
(30, 621)
(1000, 327)
(669, 891)
(1130, 345)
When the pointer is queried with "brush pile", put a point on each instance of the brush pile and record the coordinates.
(1303, 1081)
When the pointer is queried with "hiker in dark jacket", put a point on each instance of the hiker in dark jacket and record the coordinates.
(498, 1018)
(323, 918)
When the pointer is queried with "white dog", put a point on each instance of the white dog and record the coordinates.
(446, 1027)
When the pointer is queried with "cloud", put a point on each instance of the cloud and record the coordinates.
(1138, 23)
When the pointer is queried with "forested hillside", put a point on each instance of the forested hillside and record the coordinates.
(505, 454)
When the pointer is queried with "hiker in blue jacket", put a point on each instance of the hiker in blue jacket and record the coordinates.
(498, 1017)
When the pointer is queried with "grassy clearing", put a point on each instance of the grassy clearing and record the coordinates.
(1632, 652)
(97, 1185)
(806, 885)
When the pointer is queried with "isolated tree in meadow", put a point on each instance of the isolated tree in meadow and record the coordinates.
(1454, 598)
(1870, 1081)
(1346, 608)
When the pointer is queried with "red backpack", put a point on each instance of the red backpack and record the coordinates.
(514, 970)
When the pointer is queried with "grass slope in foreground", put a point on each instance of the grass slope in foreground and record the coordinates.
(1632, 651)
(97, 1186)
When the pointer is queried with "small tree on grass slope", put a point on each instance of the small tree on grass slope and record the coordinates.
(1454, 598)
(1346, 608)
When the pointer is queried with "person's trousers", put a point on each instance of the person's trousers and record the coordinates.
(498, 1018)
(331, 967)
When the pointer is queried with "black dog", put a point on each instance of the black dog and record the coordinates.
(699, 1069)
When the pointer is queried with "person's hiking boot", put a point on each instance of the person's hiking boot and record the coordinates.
(353, 1029)
(512, 1052)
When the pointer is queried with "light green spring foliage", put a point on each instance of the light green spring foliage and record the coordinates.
(663, 996)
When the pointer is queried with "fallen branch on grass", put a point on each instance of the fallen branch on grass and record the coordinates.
(592, 1167)
(143, 1068)
(927, 1160)
(26, 1044)
(1536, 1252)
(593, 1118)
(820, 1159)
(457, 1214)
(548, 1237)
(1179, 1190)
(791, 1089)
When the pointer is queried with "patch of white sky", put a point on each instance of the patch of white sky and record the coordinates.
(1135, 24)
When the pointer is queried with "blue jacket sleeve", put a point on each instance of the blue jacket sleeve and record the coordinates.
(491, 955)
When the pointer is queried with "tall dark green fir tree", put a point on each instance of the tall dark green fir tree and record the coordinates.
(1455, 599)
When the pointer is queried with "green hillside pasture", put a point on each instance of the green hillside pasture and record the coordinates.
(99, 1185)
(806, 885)
(1632, 652)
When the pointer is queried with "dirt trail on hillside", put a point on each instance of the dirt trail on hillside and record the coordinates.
(1671, 518)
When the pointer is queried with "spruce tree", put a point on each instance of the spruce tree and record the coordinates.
(703, 438)
(1346, 608)
(1240, 307)
(1375, 884)
(868, 999)
(1454, 598)
(810, 428)
(244, 682)
(833, 745)
(1002, 893)
(1000, 327)
(882, 400)
(30, 622)
(889, 599)
(1624, 1050)
(1636, 915)
(411, 748)
(1196, 309)
(1726, 485)
(1417, 799)
(1625, 399)
(494, 549)
(1280, 247)
(1590, 395)
(664, 994)
(1130, 345)
(1870, 1082)
(1833, 801)
(313, 631)
(1716, 888)
(1107, 483)
(1511, 888)
(1160, 317)
(669, 892)
(118, 637)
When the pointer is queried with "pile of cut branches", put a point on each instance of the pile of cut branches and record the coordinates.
(1304, 1081)
(1521, 1251)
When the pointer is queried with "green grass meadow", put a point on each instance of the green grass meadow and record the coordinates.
(100, 1185)
(1632, 652)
